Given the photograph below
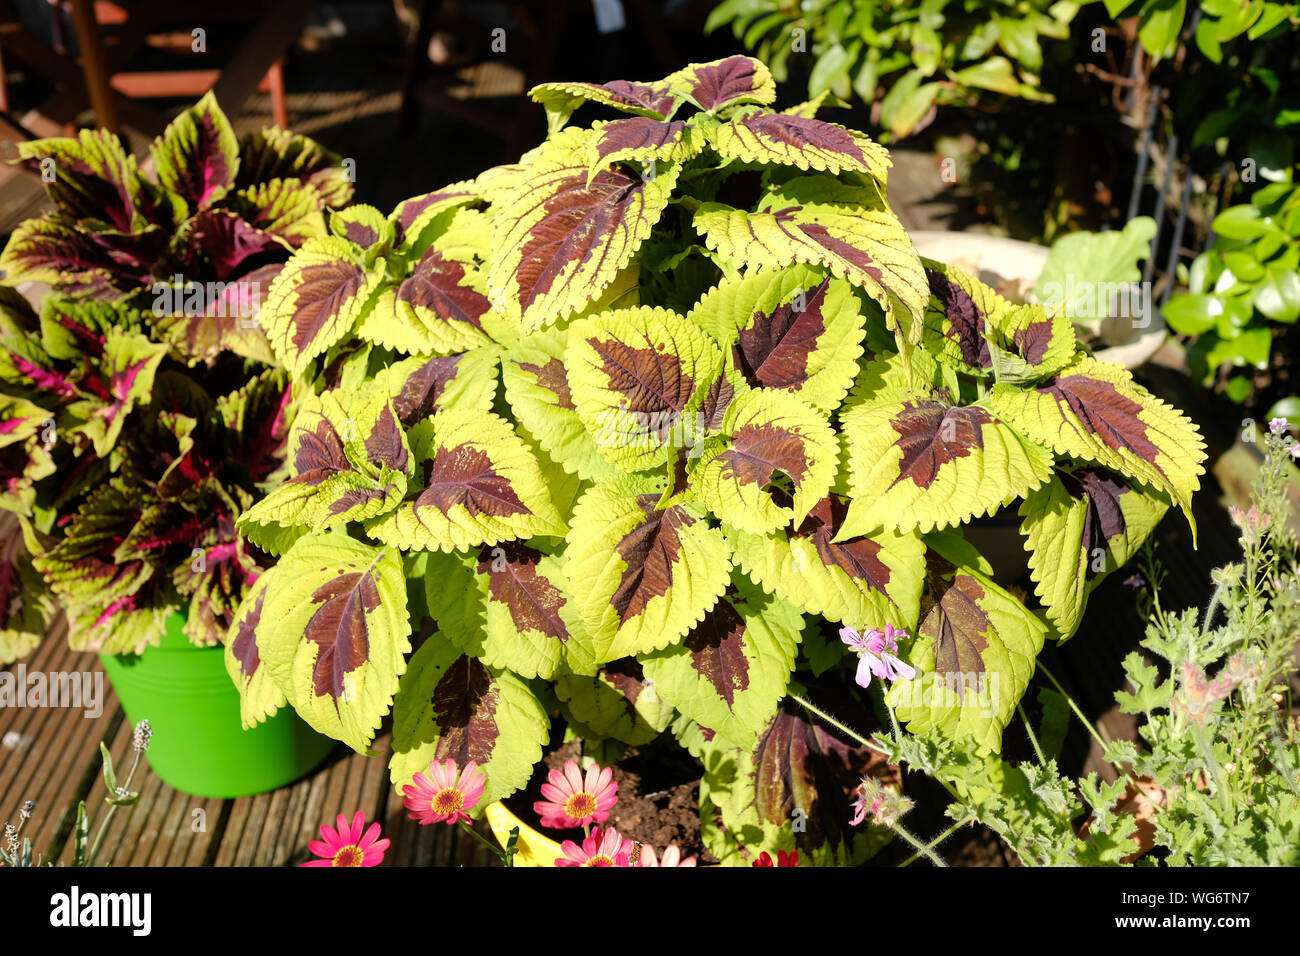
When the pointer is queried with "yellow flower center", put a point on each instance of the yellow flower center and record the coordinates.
(448, 801)
(600, 860)
(580, 805)
(348, 856)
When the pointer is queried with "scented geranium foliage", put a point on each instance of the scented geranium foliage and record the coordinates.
(617, 431)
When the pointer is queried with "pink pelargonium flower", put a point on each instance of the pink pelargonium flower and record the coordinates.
(600, 848)
(672, 857)
(572, 801)
(1278, 425)
(440, 796)
(878, 654)
(347, 846)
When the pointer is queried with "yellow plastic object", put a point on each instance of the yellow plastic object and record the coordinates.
(533, 848)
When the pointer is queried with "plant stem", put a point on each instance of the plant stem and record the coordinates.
(921, 848)
(500, 853)
(1024, 719)
(1096, 735)
(809, 706)
(937, 840)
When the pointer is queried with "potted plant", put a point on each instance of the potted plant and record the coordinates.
(143, 412)
(632, 432)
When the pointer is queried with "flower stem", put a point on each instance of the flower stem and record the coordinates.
(1024, 719)
(937, 840)
(500, 853)
(811, 708)
(921, 848)
(1096, 735)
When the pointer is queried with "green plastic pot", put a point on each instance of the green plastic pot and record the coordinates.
(198, 744)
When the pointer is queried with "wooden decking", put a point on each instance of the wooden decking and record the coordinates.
(50, 755)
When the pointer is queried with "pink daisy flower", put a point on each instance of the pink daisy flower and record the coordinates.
(600, 848)
(347, 846)
(572, 801)
(878, 654)
(672, 857)
(439, 796)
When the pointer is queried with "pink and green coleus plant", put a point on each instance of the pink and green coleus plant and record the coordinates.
(612, 433)
(139, 414)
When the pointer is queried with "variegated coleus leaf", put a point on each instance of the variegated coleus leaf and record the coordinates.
(78, 261)
(197, 156)
(423, 385)
(282, 208)
(643, 142)
(793, 330)
(503, 604)
(476, 482)
(536, 383)
(732, 670)
(274, 153)
(1095, 412)
(918, 462)
(350, 461)
(779, 459)
(258, 417)
(27, 433)
(25, 605)
(260, 696)
(439, 308)
(975, 650)
(333, 633)
(653, 100)
(1028, 345)
(563, 240)
(780, 138)
(722, 84)
(412, 216)
(365, 227)
(847, 229)
(123, 380)
(1080, 526)
(220, 567)
(639, 379)
(96, 181)
(205, 321)
(795, 770)
(641, 577)
(870, 578)
(316, 300)
(618, 702)
(451, 706)
(958, 318)
(115, 603)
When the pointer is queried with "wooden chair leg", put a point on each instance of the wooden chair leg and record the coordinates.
(275, 80)
(94, 65)
(417, 64)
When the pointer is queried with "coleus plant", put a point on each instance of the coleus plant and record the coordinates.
(623, 430)
(217, 209)
(141, 408)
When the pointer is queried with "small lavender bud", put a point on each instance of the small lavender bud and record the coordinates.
(27, 809)
(140, 739)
